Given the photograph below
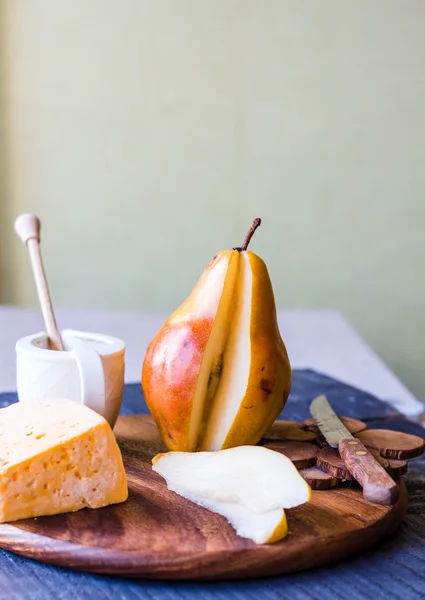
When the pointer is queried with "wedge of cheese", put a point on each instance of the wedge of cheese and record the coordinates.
(57, 456)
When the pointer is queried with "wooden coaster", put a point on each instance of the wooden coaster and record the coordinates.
(321, 441)
(382, 461)
(302, 454)
(329, 461)
(318, 479)
(392, 444)
(389, 448)
(397, 468)
(353, 425)
(288, 431)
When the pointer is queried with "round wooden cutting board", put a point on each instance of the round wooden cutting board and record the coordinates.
(158, 534)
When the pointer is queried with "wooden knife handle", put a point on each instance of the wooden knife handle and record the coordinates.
(377, 485)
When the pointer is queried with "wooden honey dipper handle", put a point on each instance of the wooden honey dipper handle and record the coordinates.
(28, 226)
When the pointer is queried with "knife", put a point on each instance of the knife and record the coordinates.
(377, 485)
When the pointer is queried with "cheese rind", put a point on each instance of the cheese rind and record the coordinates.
(57, 456)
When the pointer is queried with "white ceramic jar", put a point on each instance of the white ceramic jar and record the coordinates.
(89, 371)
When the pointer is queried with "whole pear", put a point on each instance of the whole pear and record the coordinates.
(217, 373)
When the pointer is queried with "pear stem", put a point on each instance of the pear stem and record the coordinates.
(255, 224)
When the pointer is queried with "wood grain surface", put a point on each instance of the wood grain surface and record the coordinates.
(397, 468)
(392, 444)
(289, 431)
(302, 454)
(330, 461)
(158, 534)
(318, 479)
(382, 461)
(378, 486)
(353, 425)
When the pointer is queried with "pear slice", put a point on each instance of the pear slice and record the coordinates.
(262, 528)
(233, 382)
(255, 477)
(256, 375)
(211, 364)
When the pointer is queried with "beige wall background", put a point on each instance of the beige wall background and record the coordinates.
(147, 135)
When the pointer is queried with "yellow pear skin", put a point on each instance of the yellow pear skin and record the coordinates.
(280, 532)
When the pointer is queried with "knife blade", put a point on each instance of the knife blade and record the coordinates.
(377, 485)
(328, 422)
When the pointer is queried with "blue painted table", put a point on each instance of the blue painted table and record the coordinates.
(395, 570)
